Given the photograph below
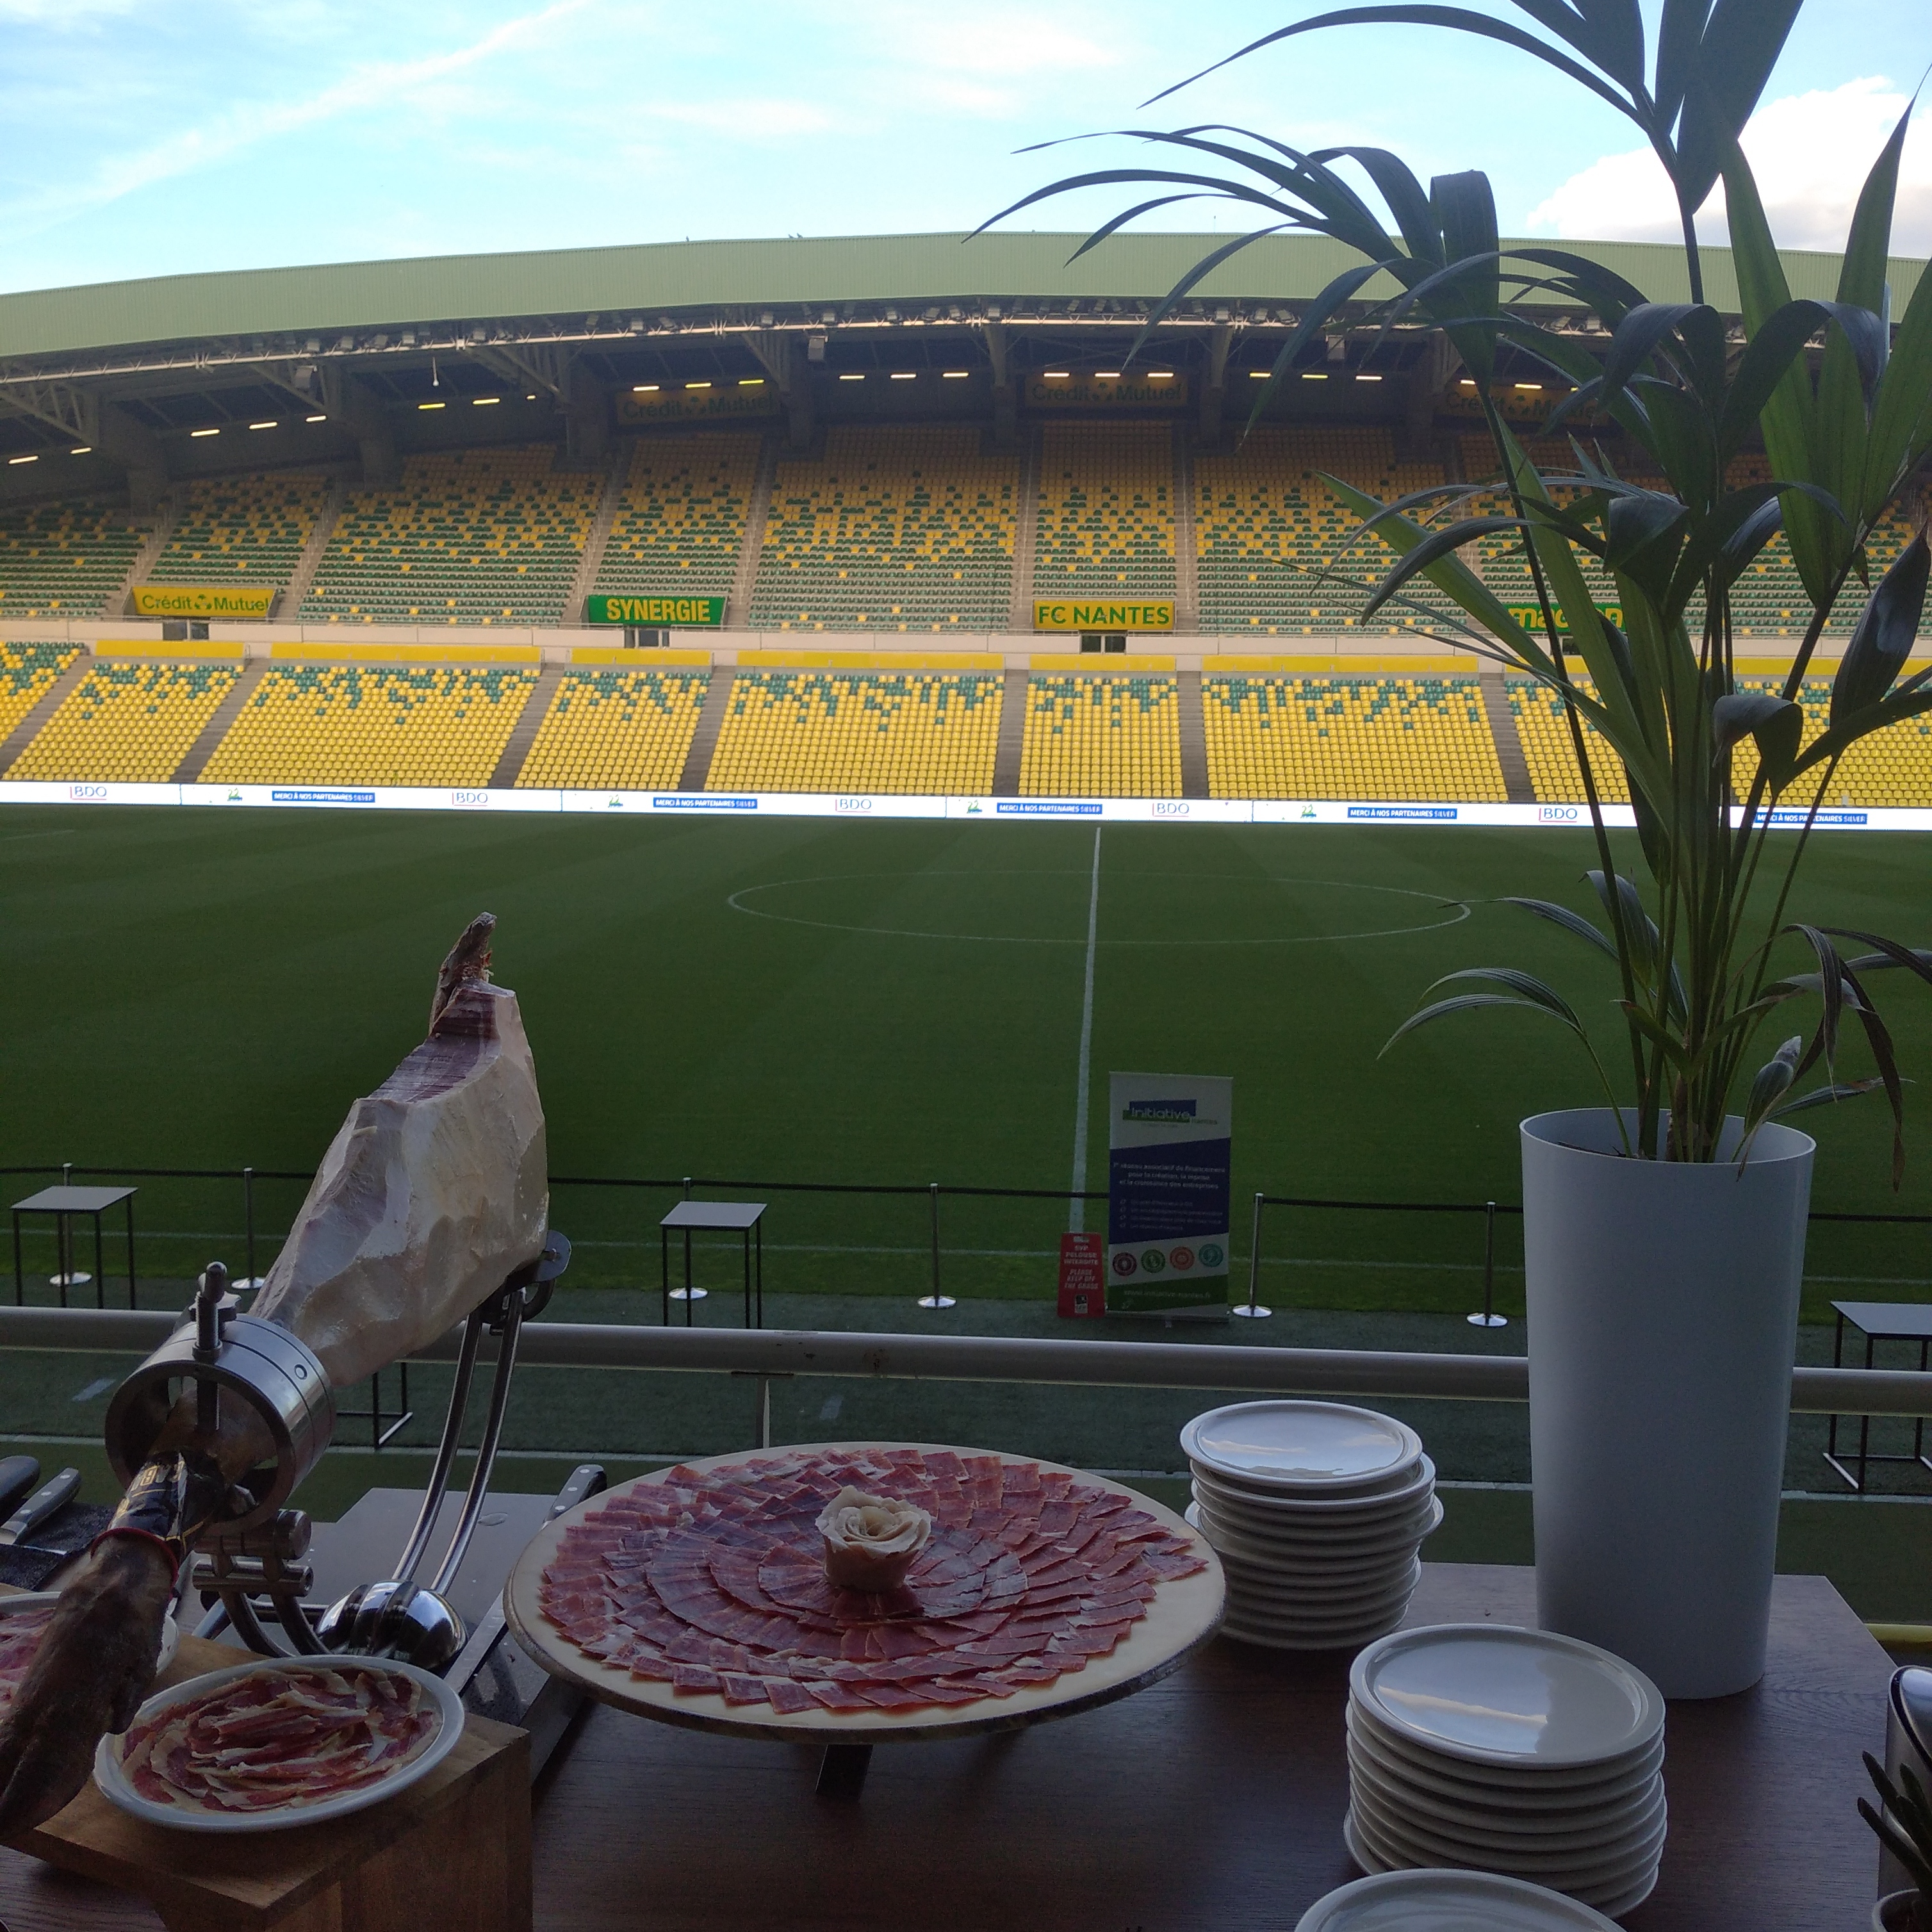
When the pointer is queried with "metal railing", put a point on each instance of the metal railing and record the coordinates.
(934, 1191)
(772, 1353)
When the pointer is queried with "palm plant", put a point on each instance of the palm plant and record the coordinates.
(1711, 765)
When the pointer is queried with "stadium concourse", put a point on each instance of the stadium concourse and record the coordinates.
(882, 516)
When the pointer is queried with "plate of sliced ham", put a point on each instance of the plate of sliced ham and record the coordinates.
(263, 1746)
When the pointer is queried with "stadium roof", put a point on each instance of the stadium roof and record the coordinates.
(623, 287)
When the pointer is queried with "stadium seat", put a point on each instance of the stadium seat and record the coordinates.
(861, 731)
(1267, 533)
(352, 725)
(1102, 737)
(126, 724)
(1419, 738)
(27, 672)
(681, 524)
(253, 528)
(1547, 749)
(1891, 768)
(618, 730)
(471, 536)
(1106, 511)
(64, 559)
(891, 529)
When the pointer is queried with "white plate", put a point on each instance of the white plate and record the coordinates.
(1323, 1557)
(1491, 1693)
(1299, 1445)
(1617, 1861)
(1591, 1877)
(1553, 1807)
(1508, 1783)
(1317, 1513)
(28, 1600)
(116, 1789)
(1531, 1831)
(1277, 1543)
(1346, 1638)
(1250, 1603)
(1448, 1901)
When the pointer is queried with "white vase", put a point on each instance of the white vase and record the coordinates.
(1663, 1305)
(1893, 1913)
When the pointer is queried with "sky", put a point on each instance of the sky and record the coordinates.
(146, 140)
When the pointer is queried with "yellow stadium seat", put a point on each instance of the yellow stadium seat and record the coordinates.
(616, 730)
(126, 724)
(1092, 736)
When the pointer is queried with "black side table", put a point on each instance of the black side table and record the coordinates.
(63, 1203)
(1879, 1322)
(745, 1218)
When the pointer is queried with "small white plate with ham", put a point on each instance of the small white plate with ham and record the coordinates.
(265, 1745)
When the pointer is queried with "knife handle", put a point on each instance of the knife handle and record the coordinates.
(18, 1475)
(48, 1500)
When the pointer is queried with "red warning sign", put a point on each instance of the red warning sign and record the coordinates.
(1083, 1283)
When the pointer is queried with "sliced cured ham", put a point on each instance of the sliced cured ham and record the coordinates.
(281, 1739)
(715, 1581)
(20, 1634)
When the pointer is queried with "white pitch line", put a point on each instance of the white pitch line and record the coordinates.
(1077, 1216)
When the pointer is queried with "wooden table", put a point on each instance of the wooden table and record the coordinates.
(1210, 1802)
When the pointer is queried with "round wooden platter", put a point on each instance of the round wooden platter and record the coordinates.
(1183, 1615)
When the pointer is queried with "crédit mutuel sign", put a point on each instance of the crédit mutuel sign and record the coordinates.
(203, 600)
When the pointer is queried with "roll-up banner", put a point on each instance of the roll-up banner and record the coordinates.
(1168, 1192)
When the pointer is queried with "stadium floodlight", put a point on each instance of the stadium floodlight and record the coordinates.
(1160, 375)
(204, 432)
(1108, 375)
(1258, 375)
(644, 388)
(751, 381)
(265, 425)
(852, 376)
(954, 375)
(1314, 375)
(1363, 376)
(13, 460)
(764, 318)
(697, 385)
(529, 395)
(315, 418)
(1056, 375)
(483, 402)
(85, 449)
(1534, 388)
(905, 375)
(432, 405)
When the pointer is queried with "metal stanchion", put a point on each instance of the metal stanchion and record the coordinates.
(1487, 1317)
(66, 1275)
(253, 1279)
(935, 1299)
(1253, 1309)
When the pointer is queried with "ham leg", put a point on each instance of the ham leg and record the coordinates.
(433, 1192)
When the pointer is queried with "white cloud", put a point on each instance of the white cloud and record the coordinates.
(387, 84)
(1809, 152)
(769, 120)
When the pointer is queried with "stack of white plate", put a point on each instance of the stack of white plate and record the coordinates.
(1508, 1751)
(1317, 1511)
(1448, 1901)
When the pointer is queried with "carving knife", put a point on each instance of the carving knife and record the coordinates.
(47, 1501)
(18, 1475)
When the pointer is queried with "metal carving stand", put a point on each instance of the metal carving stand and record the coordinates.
(259, 1553)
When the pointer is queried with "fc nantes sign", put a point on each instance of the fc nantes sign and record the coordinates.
(203, 600)
(667, 613)
(1066, 614)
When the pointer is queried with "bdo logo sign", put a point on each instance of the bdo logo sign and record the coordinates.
(1556, 814)
(87, 794)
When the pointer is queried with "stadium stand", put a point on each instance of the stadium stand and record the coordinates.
(27, 672)
(1102, 737)
(1547, 750)
(1394, 738)
(254, 527)
(1267, 528)
(681, 523)
(891, 529)
(1891, 767)
(874, 731)
(625, 731)
(126, 724)
(471, 536)
(337, 724)
(64, 560)
(1106, 511)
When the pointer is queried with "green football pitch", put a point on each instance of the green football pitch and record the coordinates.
(807, 1000)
